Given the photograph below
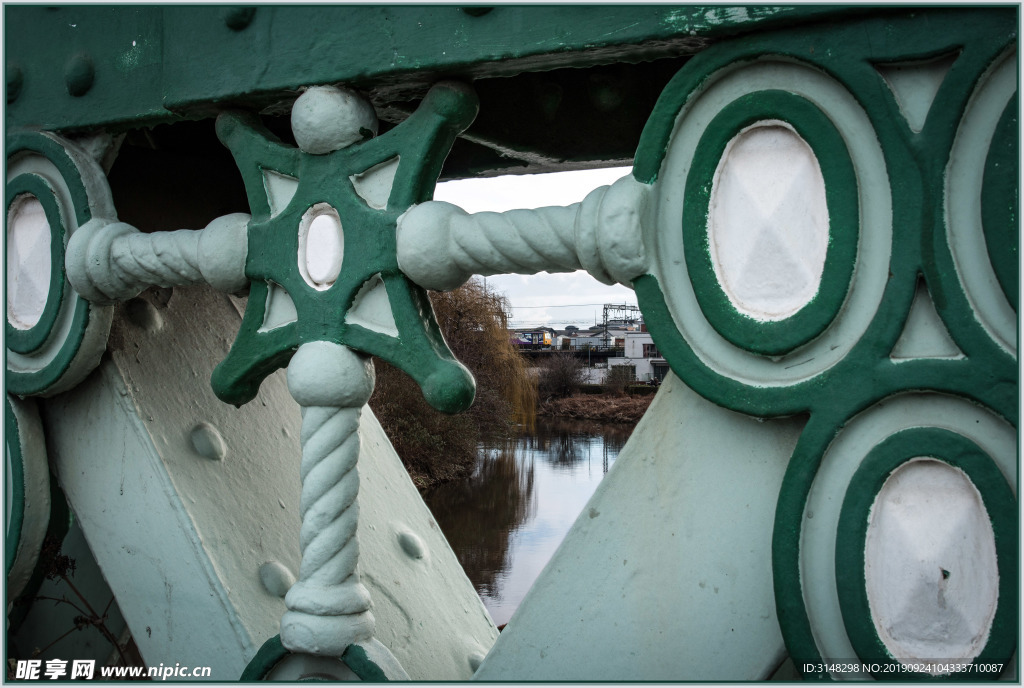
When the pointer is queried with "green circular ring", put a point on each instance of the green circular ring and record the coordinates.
(773, 338)
(1000, 202)
(273, 651)
(867, 481)
(267, 657)
(38, 381)
(27, 341)
(12, 530)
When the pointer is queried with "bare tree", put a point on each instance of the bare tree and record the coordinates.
(561, 375)
(620, 377)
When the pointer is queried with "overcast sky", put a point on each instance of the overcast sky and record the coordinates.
(554, 300)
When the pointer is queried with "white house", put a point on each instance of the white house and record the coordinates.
(641, 353)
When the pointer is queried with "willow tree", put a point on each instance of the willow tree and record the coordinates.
(434, 446)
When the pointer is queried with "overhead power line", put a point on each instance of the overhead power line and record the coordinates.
(567, 305)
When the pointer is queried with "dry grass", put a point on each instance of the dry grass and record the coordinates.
(599, 407)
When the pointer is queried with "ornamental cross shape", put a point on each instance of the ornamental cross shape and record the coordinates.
(299, 296)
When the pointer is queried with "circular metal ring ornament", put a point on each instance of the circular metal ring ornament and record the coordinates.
(24, 192)
(819, 555)
(27, 498)
(54, 337)
(742, 362)
(962, 577)
(755, 111)
(369, 660)
(981, 230)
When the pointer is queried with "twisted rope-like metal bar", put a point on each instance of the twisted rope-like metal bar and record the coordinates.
(328, 607)
(163, 259)
(517, 241)
(109, 261)
(440, 246)
(328, 603)
(330, 485)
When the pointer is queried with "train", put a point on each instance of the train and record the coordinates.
(534, 339)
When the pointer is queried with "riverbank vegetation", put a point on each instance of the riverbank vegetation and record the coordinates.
(604, 408)
(437, 447)
(560, 375)
(564, 392)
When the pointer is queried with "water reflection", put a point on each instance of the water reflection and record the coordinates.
(506, 520)
(478, 514)
(564, 443)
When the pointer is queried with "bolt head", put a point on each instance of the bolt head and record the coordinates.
(15, 80)
(239, 18)
(79, 74)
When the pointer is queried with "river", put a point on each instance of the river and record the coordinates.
(506, 520)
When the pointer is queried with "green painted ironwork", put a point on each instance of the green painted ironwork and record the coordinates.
(1001, 505)
(915, 174)
(420, 145)
(34, 186)
(16, 461)
(48, 351)
(1000, 206)
(356, 658)
(270, 653)
(145, 57)
(57, 529)
(115, 69)
(782, 336)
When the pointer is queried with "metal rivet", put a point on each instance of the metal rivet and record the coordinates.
(411, 544)
(15, 80)
(143, 315)
(79, 74)
(238, 18)
(276, 578)
(207, 442)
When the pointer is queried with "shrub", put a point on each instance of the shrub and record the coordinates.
(620, 377)
(560, 375)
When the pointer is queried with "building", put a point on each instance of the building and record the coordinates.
(640, 352)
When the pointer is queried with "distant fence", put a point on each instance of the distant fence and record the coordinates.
(637, 389)
(576, 350)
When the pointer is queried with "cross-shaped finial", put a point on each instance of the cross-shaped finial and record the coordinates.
(321, 242)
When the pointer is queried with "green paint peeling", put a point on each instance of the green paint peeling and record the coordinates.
(139, 54)
(201, 54)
